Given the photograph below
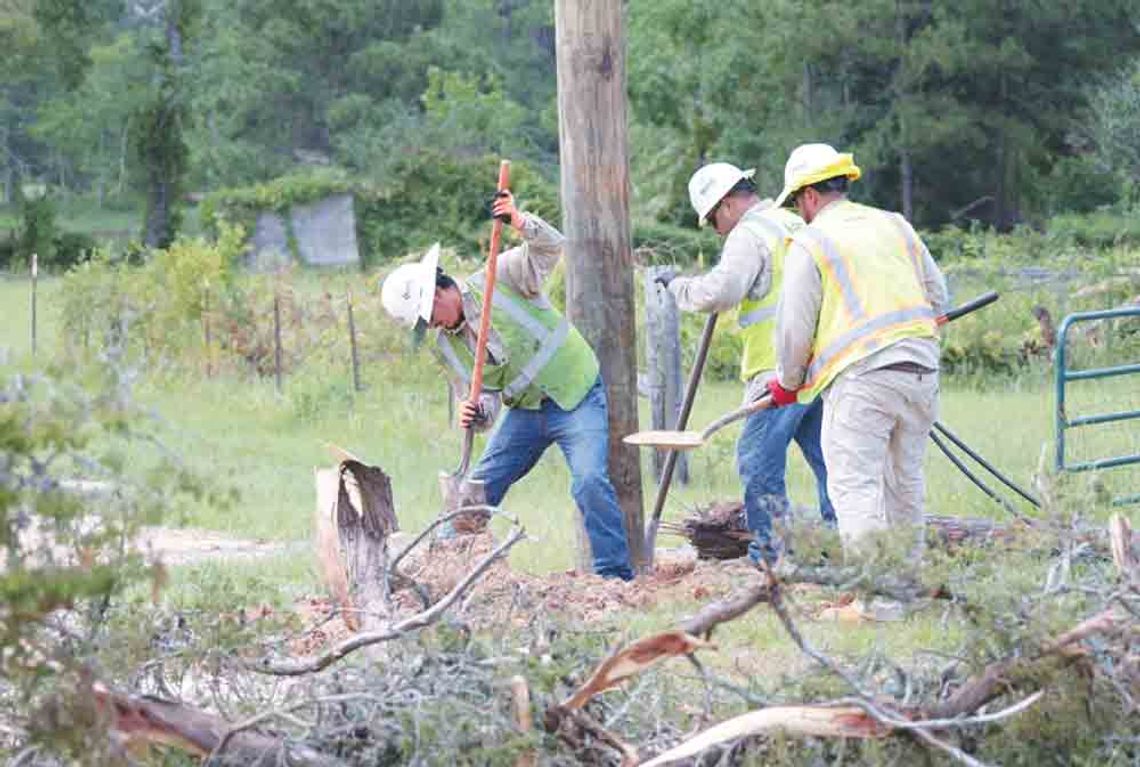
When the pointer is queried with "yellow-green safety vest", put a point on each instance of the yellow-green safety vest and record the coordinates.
(543, 354)
(757, 316)
(870, 264)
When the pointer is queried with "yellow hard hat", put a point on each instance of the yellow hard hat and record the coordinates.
(811, 163)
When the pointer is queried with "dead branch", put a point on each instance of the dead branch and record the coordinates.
(712, 615)
(812, 721)
(571, 725)
(776, 599)
(953, 751)
(520, 706)
(632, 660)
(298, 666)
(141, 721)
(494, 510)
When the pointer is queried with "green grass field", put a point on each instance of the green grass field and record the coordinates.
(244, 435)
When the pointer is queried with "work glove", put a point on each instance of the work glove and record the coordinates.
(471, 414)
(503, 208)
(780, 395)
(665, 276)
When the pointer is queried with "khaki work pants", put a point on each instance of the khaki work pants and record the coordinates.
(875, 427)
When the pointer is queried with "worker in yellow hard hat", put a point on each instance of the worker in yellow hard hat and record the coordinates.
(856, 323)
(747, 276)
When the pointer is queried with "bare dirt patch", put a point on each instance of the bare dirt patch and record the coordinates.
(189, 546)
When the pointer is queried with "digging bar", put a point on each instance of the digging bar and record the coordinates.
(458, 491)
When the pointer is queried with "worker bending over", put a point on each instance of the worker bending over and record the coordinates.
(538, 365)
(748, 275)
(856, 322)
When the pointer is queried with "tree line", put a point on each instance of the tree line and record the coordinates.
(1000, 111)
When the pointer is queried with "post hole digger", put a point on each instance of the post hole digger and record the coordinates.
(459, 491)
(689, 440)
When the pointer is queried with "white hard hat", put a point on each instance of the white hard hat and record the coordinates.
(811, 163)
(711, 183)
(408, 293)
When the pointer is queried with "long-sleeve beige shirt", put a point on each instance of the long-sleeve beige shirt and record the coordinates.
(798, 315)
(744, 269)
(523, 268)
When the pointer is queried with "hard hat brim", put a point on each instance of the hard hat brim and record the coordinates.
(429, 263)
(844, 165)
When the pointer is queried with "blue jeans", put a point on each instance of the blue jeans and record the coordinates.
(582, 434)
(761, 460)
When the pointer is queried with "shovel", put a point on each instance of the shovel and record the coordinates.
(459, 491)
(689, 440)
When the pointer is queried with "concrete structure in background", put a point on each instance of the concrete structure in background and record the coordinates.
(323, 233)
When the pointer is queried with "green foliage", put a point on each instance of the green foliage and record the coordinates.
(40, 233)
(240, 206)
(155, 310)
(429, 196)
(69, 552)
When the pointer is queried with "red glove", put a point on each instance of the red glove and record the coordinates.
(780, 395)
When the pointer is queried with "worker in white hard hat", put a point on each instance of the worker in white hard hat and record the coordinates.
(537, 364)
(856, 323)
(748, 276)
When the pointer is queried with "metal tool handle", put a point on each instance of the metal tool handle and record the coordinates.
(682, 421)
(484, 320)
(985, 299)
(763, 403)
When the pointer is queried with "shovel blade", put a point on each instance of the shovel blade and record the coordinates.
(673, 440)
(460, 491)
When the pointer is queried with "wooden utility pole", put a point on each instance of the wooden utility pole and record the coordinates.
(595, 219)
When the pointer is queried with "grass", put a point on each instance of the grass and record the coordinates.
(242, 434)
(84, 215)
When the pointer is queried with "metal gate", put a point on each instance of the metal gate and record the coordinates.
(1064, 375)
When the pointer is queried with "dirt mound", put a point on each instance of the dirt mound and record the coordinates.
(506, 597)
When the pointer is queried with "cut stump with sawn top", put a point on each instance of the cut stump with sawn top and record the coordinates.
(355, 517)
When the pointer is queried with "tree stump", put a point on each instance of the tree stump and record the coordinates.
(355, 516)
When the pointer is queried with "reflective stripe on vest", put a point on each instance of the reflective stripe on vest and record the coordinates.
(448, 352)
(757, 315)
(875, 324)
(870, 263)
(550, 340)
(840, 271)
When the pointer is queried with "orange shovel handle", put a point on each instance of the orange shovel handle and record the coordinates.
(488, 292)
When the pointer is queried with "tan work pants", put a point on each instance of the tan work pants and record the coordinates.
(875, 427)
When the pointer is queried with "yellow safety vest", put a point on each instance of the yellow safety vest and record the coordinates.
(870, 262)
(757, 316)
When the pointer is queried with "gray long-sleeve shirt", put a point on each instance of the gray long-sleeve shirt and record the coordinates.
(523, 268)
(798, 315)
(744, 269)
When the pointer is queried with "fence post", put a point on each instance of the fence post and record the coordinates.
(206, 328)
(277, 337)
(352, 344)
(35, 280)
(663, 358)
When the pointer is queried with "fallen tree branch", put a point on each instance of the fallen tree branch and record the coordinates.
(812, 721)
(632, 660)
(571, 724)
(139, 721)
(306, 665)
(712, 615)
(994, 678)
